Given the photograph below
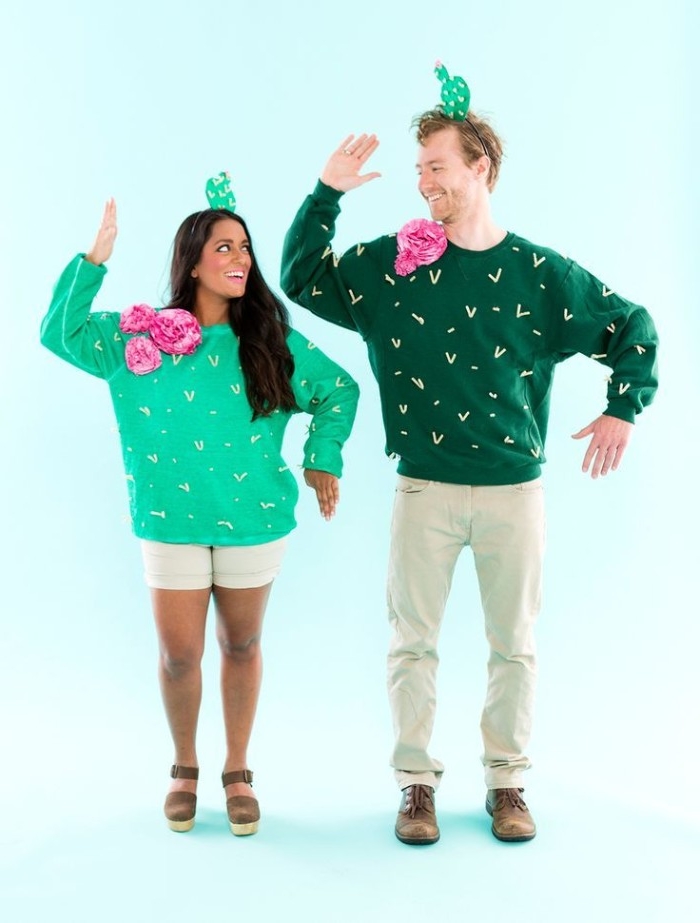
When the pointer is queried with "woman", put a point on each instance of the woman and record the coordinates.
(202, 391)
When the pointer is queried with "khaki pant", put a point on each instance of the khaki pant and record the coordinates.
(432, 523)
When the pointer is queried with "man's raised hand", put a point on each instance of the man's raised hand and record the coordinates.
(342, 172)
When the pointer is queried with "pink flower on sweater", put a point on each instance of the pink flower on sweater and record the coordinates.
(404, 264)
(420, 242)
(172, 330)
(142, 355)
(176, 331)
(136, 319)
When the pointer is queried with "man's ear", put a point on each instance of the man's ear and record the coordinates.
(482, 166)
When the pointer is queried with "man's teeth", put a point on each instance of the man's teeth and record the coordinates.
(434, 198)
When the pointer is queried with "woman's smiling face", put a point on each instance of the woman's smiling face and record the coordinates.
(225, 261)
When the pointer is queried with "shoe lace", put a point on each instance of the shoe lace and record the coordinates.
(417, 798)
(513, 795)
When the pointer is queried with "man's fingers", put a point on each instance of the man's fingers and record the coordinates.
(588, 458)
(618, 457)
(344, 146)
(360, 148)
(367, 177)
(603, 459)
(366, 148)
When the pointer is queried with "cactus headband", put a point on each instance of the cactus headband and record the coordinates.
(219, 192)
(455, 96)
(219, 195)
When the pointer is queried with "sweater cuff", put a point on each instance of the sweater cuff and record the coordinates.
(323, 457)
(621, 410)
(87, 266)
(327, 193)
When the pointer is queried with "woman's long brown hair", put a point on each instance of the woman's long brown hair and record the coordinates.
(258, 318)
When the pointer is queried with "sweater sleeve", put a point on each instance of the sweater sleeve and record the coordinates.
(343, 290)
(91, 342)
(598, 323)
(326, 391)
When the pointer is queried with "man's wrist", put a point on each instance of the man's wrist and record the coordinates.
(330, 193)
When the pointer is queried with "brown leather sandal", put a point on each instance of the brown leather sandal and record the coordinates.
(180, 807)
(243, 810)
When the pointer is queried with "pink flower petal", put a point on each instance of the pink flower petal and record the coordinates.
(420, 242)
(142, 355)
(176, 331)
(136, 319)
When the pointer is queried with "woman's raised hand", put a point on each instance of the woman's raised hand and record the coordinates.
(342, 172)
(101, 249)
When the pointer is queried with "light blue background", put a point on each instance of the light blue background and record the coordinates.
(597, 102)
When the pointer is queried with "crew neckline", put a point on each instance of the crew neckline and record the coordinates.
(463, 253)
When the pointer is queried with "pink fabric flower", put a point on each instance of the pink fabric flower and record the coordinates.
(172, 330)
(405, 263)
(420, 243)
(136, 319)
(142, 355)
(176, 331)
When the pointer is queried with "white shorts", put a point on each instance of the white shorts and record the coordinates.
(197, 567)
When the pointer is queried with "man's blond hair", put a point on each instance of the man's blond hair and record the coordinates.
(476, 138)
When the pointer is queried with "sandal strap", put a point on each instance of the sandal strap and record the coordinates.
(237, 775)
(184, 772)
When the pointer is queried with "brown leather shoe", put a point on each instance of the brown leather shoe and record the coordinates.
(180, 807)
(416, 823)
(512, 822)
(243, 810)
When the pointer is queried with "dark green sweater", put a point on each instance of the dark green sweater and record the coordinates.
(464, 350)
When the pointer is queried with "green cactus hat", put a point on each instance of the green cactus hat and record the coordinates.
(219, 192)
(455, 93)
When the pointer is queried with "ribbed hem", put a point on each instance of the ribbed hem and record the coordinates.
(328, 193)
(473, 477)
(621, 410)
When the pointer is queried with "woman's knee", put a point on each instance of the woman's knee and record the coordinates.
(240, 649)
(179, 663)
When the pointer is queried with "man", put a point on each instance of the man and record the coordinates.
(465, 323)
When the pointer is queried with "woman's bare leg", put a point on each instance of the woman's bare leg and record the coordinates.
(180, 617)
(239, 626)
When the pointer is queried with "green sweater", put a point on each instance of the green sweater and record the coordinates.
(197, 469)
(464, 349)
